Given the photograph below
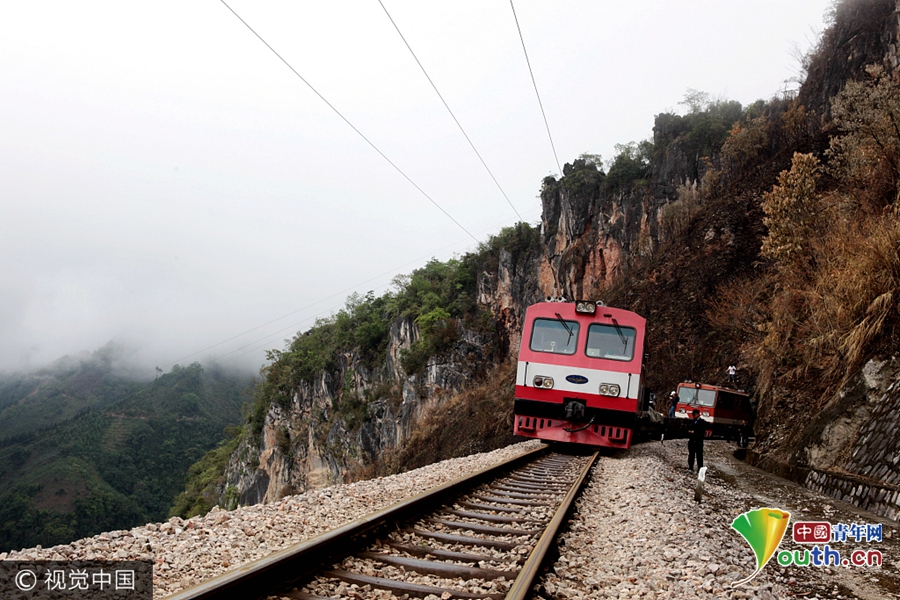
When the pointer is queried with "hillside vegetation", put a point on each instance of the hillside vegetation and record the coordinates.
(117, 466)
(784, 255)
(441, 299)
(830, 295)
(70, 386)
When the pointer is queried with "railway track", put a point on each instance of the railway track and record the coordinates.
(483, 536)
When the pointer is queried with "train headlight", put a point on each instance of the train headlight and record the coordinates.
(543, 382)
(585, 306)
(609, 389)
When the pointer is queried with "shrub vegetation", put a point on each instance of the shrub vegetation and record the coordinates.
(829, 301)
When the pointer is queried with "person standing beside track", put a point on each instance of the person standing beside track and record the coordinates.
(696, 435)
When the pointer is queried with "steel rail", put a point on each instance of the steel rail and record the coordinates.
(521, 587)
(261, 577)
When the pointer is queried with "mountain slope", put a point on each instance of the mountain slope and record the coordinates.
(119, 465)
(68, 387)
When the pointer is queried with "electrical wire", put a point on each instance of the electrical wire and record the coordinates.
(541, 104)
(455, 120)
(347, 121)
(261, 342)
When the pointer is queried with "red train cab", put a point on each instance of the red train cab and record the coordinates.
(580, 373)
(727, 412)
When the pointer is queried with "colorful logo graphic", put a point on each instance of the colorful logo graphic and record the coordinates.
(763, 529)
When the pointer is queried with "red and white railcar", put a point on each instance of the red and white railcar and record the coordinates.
(727, 412)
(580, 374)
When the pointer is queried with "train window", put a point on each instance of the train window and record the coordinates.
(725, 401)
(557, 336)
(612, 342)
(698, 396)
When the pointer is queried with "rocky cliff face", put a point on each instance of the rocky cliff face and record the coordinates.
(312, 442)
(864, 32)
(850, 448)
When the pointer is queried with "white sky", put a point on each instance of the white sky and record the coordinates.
(165, 180)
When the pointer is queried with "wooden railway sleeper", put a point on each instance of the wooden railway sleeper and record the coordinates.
(443, 569)
(491, 518)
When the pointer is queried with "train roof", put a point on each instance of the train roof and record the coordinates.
(709, 386)
(568, 309)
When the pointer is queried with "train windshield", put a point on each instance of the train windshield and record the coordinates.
(698, 396)
(554, 335)
(612, 342)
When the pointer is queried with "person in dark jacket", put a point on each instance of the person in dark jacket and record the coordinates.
(696, 435)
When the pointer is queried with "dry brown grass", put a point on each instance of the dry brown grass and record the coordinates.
(815, 327)
(830, 301)
(856, 292)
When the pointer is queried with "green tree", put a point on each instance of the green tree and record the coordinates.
(630, 166)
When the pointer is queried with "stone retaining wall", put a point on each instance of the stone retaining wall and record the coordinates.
(870, 478)
(866, 472)
(880, 499)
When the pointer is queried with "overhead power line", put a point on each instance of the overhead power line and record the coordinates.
(294, 325)
(347, 121)
(541, 104)
(262, 342)
(455, 120)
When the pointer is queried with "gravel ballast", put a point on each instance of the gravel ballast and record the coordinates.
(637, 531)
(185, 552)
